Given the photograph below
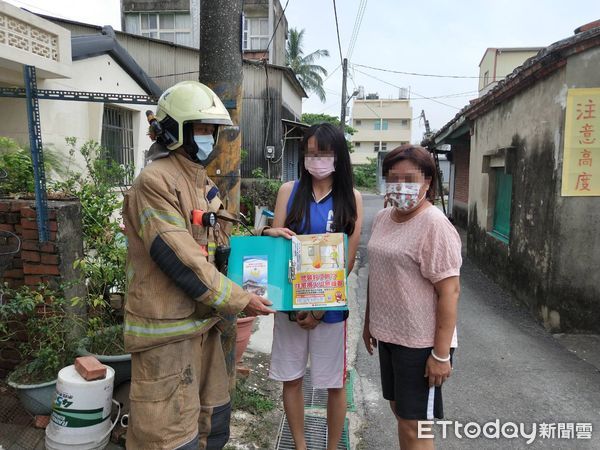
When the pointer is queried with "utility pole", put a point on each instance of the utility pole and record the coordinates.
(437, 161)
(221, 70)
(344, 101)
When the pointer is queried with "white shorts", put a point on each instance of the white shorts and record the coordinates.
(326, 344)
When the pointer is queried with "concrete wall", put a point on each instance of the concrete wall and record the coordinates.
(366, 150)
(26, 39)
(554, 241)
(487, 65)
(368, 112)
(576, 249)
(83, 120)
(509, 61)
(499, 64)
(291, 100)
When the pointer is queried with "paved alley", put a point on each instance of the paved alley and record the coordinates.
(507, 367)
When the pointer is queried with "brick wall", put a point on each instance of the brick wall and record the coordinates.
(461, 157)
(49, 262)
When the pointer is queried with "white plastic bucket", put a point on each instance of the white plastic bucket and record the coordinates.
(81, 412)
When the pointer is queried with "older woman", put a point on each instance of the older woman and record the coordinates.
(414, 266)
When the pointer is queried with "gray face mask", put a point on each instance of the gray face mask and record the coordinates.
(205, 144)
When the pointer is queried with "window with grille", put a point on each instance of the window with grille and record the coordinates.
(117, 140)
(176, 28)
(256, 33)
(376, 147)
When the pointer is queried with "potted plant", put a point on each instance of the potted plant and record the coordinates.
(244, 331)
(38, 322)
(102, 266)
(105, 281)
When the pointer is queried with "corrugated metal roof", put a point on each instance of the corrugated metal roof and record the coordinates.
(83, 47)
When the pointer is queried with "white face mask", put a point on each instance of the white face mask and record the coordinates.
(205, 144)
(403, 196)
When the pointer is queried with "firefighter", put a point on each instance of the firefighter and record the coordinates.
(176, 296)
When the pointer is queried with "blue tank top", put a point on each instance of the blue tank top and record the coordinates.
(321, 221)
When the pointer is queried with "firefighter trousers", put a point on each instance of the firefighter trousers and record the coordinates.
(179, 392)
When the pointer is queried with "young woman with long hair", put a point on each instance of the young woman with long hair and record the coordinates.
(322, 201)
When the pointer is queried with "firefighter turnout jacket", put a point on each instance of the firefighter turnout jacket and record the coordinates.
(174, 290)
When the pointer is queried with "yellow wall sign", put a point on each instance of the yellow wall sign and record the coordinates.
(581, 158)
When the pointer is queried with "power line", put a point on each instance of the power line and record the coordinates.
(418, 74)
(337, 29)
(277, 26)
(413, 92)
(175, 74)
(332, 105)
(357, 23)
(331, 73)
(50, 13)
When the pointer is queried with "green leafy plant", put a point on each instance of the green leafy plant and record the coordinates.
(260, 191)
(365, 176)
(246, 398)
(105, 249)
(39, 319)
(16, 162)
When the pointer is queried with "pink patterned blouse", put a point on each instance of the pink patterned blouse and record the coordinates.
(405, 260)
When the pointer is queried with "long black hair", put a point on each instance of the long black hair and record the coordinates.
(329, 138)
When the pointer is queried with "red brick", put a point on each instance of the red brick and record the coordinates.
(28, 213)
(41, 422)
(30, 235)
(30, 245)
(52, 214)
(13, 273)
(13, 218)
(7, 227)
(33, 280)
(40, 269)
(18, 229)
(49, 259)
(90, 368)
(4, 206)
(47, 247)
(17, 205)
(30, 256)
(29, 224)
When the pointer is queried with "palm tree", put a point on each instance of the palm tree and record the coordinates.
(309, 74)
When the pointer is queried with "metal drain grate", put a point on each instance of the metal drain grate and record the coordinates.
(315, 430)
(317, 398)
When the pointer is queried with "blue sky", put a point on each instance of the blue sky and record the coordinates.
(434, 37)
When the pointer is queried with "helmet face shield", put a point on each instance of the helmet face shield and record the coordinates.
(187, 102)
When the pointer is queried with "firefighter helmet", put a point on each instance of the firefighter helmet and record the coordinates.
(188, 102)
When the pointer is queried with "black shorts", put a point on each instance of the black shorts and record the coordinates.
(403, 381)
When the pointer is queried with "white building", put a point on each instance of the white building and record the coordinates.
(80, 64)
(381, 124)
